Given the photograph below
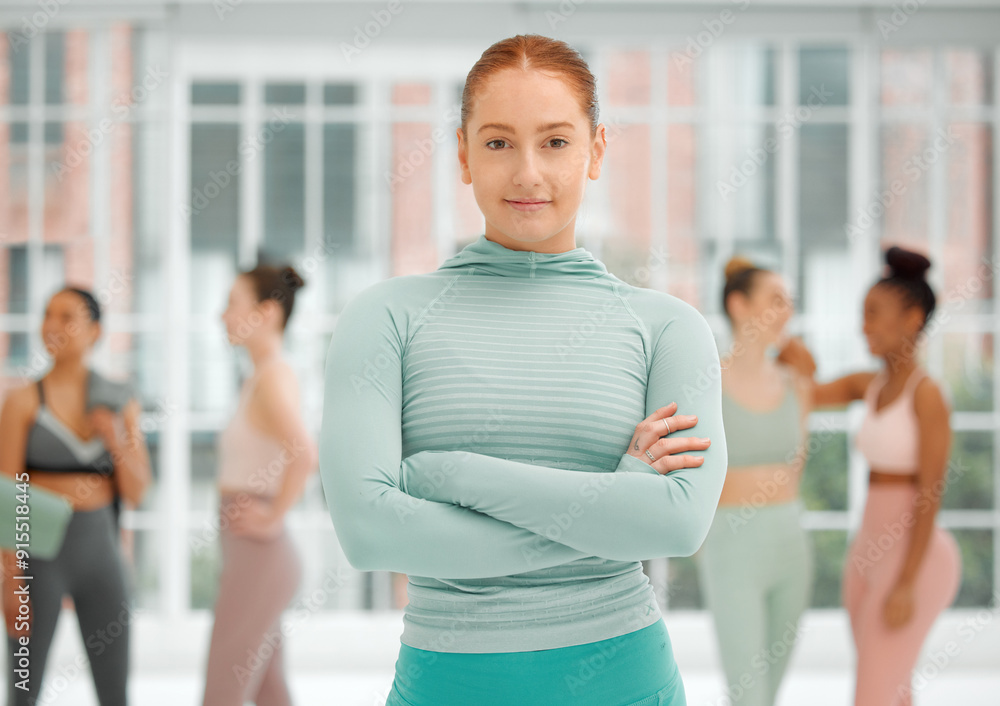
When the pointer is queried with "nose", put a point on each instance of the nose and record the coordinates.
(527, 173)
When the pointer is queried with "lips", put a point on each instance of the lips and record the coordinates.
(528, 205)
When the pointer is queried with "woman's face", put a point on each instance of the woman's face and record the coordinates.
(766, 311)
(889, 324)
(528, 153)
(67, 329)
(244, 316)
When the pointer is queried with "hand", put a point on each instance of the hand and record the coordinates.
(667, 452)
(102, 420)
(898, 607)
(795, 354)
(258, 520)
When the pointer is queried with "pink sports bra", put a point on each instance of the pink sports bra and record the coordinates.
(249, 460)
(888, 438)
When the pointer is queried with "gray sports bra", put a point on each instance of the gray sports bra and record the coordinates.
(55, 448)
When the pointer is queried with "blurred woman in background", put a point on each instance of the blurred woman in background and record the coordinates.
(901, 570)
(77, 434)
(756, 565)
(265, 458)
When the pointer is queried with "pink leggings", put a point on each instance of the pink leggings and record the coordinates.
(886, 658)
(245, 658)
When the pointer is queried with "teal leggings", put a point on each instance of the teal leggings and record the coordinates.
(635, 669)
(756, 569)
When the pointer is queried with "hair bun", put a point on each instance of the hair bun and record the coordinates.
(292, 278)
(906, 263)
(738, 264)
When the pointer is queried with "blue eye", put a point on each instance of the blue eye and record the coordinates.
(502, 142)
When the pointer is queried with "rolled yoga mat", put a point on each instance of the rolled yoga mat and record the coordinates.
(47, 518)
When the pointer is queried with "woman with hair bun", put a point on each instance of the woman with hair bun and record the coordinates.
(265, 458)
(507, 430)
(756, 564)
(895, 592)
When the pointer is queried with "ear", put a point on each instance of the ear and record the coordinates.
(272, 310)
(463, 157)
(597, 150)
(913, 318)
(737, 303)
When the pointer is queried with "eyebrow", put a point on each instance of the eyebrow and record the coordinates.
(542, 128)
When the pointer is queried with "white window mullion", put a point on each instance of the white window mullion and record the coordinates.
(995, 319)
(38, 288)
(251, 208)
(99, 92)
(175, 478)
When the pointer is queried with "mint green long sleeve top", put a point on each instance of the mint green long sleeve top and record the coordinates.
(475, 428)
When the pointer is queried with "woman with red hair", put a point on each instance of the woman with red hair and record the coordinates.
(504, 430)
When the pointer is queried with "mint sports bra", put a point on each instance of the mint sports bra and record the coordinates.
(754, 437)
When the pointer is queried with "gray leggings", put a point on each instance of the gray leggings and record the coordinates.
(90, 569)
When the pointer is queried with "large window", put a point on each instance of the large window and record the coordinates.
(805, 155)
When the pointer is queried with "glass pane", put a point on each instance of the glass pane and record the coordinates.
(977, 567)
(204, 471)
(145, 565)
(824, 479)
(149, 218)
(339, 168)
(53, 134)
(683, 276)
(628, 162)
(414, 249)
(206, 566)
(829, 551)
(970, 472)
(628, 78)
(17, 293)
(823, 151)
(67, 185)
(684, 591)
(682, 72)
(824, 69)
(968, 371)
(151, 429)
(906, 77)
(215, 93)
(214, 209)
(55, 64)
(411, 94)
(969, 213)
(754, 70)
(213, 374)
(285, 93)
(969, 76)
(19, 133)
(340, 94)
(752, 176)
(904, 194)
(18, 53)
(284, 193)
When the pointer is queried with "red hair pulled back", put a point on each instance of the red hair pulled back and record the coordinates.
(534, 52)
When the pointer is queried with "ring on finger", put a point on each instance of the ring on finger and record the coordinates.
(664, 420)
(651, 456)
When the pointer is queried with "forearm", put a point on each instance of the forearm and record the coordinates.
(625, 516)
(386, 530)
(132, 474)
(919, 539)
